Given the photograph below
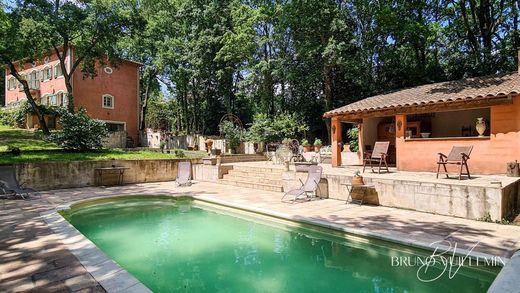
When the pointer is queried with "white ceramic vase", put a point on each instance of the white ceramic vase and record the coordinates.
(480, 126)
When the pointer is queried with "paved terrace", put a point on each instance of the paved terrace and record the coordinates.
(476, 180)
(33, 257)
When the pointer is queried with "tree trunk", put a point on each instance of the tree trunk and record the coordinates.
(328, 80)
(41, 118)
(67, 76)
(146, 96)
(70, 97)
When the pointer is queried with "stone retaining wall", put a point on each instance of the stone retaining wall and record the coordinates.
(56, 175)
(472, 202)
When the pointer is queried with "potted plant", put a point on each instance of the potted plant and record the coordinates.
(357, 179)
(306, 145)
(317, 145)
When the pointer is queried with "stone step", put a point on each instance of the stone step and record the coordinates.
(255, 174)
(267, 187)
(242, 158)
(256, 169)
(256, 179)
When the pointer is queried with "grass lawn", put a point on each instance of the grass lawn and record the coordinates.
(23, 139)
(35, 149)
(107, 154)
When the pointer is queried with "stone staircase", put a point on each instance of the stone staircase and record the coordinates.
(263, 178)
(242, 158)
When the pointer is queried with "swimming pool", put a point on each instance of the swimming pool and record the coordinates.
(173, 245)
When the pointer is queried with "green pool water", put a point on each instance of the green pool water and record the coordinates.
(185, 246)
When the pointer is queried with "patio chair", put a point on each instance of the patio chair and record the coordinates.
(459, 155)
(10, 186)
(310, 186)
(183, 174)
(378, 155)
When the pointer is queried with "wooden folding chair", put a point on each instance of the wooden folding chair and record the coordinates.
(378, 155)
(459, 155)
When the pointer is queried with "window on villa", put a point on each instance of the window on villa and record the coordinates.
(463, 123)
(44, 100)
(115, 127)
(108, 101)
(57, 71)
(11, 84)
(52, 100)
(34, 79)
(47, 73)
(61, 99)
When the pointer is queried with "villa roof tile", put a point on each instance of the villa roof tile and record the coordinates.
(470, 88)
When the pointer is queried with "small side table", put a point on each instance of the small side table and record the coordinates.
(100, 171)
(351, 187)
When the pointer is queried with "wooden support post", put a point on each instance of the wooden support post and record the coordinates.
(400, 126)
(400, 134)
(336, 141)
(361, 143)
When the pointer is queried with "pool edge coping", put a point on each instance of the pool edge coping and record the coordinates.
(112, 280)
(505, 280)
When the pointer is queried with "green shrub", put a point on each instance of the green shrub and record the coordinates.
(260, 130)
(79, 131)
(317, 141)
(353, 135)
(233, 134)
(14, 117)
(179, 153)
(7, 117)
(305, 142)
(275, 129)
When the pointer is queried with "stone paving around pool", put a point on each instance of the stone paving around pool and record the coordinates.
(33, 258)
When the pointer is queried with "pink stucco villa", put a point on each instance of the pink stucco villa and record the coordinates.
(111, 96)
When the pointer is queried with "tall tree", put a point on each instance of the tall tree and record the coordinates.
(16, 50)
(149, 45)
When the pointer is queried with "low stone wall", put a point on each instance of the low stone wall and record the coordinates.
(211, 173)
(115, 139)
(56, 175)
(472, 202)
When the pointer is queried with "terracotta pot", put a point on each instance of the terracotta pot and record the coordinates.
(357, 180)
(306, 148)
(346, 147)
(317, 148)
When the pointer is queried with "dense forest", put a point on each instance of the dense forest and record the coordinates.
(306, 57)
(203, 59)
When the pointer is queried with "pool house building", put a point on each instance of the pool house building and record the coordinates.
(422, 121)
